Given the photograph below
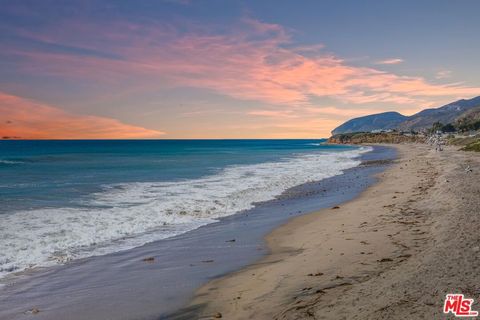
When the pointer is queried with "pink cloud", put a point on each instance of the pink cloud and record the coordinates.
(254, 61)
(28, 119)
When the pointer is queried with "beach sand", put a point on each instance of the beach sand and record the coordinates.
(394, 252)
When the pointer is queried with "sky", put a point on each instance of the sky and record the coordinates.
(217, 69)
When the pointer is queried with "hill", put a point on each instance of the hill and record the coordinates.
(457, 113)
(445, 114)
(385, 121)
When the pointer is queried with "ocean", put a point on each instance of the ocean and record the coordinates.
(65, 200)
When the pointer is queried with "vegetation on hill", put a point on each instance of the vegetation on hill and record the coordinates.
(473, 146)
(469, 121)
(468, 143)
(368, 137)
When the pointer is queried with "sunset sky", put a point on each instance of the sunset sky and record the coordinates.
(227, 69)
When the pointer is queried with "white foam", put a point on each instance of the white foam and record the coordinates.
(9, 161)
(129, 215)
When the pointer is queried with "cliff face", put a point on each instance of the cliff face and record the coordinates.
(365, 137)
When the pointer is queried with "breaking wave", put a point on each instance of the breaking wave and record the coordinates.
(128, 215)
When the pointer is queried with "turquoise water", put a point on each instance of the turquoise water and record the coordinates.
(63, 200)
(36, 174)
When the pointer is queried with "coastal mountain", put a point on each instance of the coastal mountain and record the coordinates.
(379, 121)
(445, 114)
(461, 110)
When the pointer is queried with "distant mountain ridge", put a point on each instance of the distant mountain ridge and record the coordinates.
(382, 121)
(424, 119)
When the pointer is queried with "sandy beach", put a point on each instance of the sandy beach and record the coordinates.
(394, 252)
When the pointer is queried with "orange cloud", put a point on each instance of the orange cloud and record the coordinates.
(27, 119)
(296, 128)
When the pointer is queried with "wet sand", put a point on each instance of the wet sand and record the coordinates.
(394, 252)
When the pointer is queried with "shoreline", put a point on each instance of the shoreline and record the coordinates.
(122, 286)
(367, 259)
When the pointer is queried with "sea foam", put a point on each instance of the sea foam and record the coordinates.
(124, 216)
